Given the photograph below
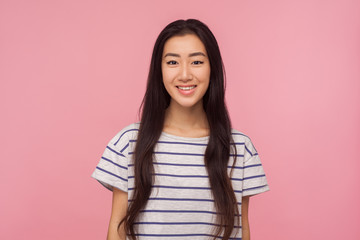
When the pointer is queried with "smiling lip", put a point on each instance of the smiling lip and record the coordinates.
(186, 89)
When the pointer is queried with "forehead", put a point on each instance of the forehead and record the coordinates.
(184, 44)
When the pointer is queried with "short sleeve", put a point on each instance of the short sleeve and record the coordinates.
(112, 169)
(254, 179)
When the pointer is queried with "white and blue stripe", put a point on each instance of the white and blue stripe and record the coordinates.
(181, 205)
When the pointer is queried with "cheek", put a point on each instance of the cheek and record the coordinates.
(204, 74)
(168, 75)
(166, 79)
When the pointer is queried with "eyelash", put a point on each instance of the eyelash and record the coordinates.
(174, 62)
(169, 62)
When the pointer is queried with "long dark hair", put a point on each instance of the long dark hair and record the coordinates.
(219, 147)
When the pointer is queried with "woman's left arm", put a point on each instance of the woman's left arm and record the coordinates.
(245, 218)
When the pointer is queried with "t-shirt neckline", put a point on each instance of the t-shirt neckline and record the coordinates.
(197, 139)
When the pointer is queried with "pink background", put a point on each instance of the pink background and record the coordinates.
(73, 74)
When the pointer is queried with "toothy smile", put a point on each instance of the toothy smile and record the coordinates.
(186, 88)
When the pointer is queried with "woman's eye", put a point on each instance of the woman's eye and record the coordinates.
(171, 62)
(197, 62)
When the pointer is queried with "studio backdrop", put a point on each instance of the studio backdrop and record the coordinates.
(73, 74)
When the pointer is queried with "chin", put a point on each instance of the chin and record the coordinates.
(188, 104)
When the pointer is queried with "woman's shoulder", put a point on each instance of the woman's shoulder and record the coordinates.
(239, 136)
(126, 134)
(241, 139)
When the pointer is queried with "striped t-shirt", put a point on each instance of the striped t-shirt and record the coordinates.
(181, 205)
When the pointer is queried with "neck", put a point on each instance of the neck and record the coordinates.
(186, 121)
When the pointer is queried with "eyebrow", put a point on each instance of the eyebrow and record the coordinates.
(190, 55)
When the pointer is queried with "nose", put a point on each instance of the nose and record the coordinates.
(185, 73)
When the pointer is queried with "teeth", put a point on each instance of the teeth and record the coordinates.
(186, 88)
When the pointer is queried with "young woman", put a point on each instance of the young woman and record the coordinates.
(182, 172)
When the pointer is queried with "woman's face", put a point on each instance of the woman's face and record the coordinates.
(185, 70)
